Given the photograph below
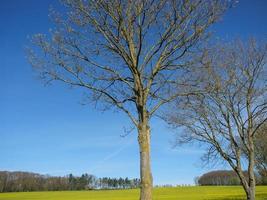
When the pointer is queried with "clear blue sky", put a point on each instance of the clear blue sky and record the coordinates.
(47, 130)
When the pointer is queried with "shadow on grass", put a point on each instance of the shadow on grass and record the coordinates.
(258, 197)
(230, 198)
(227, 198)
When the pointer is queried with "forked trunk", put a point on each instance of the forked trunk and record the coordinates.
(248, 185)
(145, 167)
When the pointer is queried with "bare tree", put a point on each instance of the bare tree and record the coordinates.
(226, 118)
(126, 54)
(261, 153)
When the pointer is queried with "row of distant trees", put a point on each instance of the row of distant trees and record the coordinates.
(26, 181)
(226, 177)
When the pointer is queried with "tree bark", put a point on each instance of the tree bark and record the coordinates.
(251, 193)
(251, 175)
(248, 185)
(145, 167)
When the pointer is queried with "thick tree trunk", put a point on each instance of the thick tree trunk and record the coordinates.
(243, 180)
(251, 175)
(251, 193)
(145, 167)
(248, 185)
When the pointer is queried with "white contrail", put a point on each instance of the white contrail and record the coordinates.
(112, 154)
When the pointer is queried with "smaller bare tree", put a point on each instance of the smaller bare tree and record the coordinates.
(261, 153)
(233, 107)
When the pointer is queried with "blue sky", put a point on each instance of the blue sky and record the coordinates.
(47, 130)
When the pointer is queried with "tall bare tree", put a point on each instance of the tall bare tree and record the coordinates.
(126, 54)
(226, 118)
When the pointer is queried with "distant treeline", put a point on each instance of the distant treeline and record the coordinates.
(26, 182)
(224, 177)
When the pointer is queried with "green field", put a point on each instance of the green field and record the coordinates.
(177, 193)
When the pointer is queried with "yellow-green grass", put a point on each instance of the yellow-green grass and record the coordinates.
(177, 193)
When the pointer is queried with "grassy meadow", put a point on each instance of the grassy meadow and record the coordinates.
(177, 193)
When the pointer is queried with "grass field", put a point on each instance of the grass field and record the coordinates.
(178, 193)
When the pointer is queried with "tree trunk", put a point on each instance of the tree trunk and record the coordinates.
(243, 181)
(145, 167)
(251, 175)
(248, 185)
(251, 193)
